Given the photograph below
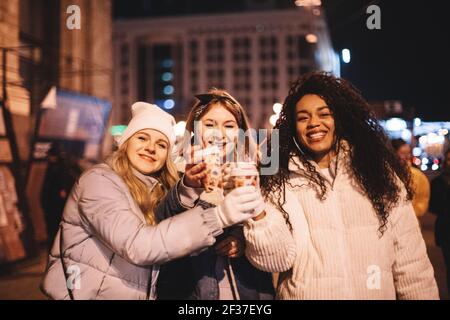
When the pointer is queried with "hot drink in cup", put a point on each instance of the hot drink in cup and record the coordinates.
(213, 178)
(245, 174)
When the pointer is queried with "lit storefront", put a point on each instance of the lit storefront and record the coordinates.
(429, 140)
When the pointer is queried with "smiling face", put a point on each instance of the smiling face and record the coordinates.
(315, 127)
(147, 151)
(219, 126)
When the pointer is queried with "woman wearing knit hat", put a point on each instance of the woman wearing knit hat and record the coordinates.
(339, 223)
(110, 245)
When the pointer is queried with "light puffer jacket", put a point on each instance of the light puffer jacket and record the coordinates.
(108, 246)
(335, 250)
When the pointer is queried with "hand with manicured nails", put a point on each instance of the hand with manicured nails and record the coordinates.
(240, 205)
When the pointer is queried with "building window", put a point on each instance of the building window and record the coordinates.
(124, 55)
(125, 112)
(163, 80)
(290, 41)
(193, 45)
(264, 101)
(274, 71)
(290, 70)
(193, 51)
(215, 58)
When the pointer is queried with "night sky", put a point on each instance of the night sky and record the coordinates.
(407, 60)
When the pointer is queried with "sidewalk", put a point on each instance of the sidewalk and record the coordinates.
(23, 282)
(435, 254)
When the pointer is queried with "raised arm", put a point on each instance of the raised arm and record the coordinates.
(110, 216)
(270, 246)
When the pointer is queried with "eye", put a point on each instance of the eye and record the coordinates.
(142, 138)
(230, 126)
(302, 118)
(209, 125)
(162, 145)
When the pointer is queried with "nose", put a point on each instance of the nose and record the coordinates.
(217, 134)
(223, 133)
(150, 147)
(313, 122)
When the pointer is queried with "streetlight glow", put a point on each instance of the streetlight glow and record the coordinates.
(277, 107)
(346, 55)
(311, 38)
(273, 119)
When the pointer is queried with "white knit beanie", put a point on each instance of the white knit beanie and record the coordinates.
(149, 116)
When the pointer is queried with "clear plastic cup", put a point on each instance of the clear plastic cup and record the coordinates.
(245, 174)
(211, 156)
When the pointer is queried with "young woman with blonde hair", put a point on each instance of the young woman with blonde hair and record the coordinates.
(110, 244)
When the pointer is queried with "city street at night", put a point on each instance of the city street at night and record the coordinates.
(241, 150)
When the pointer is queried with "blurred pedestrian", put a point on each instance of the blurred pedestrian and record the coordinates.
(440, 205)
(420, 183)
(60, 176)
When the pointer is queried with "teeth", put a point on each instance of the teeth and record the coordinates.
(316, 135)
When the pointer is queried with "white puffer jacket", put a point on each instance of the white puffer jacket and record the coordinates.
(109, 250)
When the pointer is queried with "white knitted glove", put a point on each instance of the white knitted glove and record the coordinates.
(240, 205)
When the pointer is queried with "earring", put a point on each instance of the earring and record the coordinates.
(298, 147)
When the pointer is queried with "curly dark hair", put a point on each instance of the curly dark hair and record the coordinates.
(373, 162)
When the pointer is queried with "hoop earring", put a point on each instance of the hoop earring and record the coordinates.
(298, 147)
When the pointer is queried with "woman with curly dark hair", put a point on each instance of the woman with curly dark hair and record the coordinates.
(339, 223)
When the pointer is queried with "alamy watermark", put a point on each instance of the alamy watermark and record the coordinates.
(73, 21)
(73, 273)
(374, 20)
(373, 277)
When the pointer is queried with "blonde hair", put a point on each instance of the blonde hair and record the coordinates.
(167, 178)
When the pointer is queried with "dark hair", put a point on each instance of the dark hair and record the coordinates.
(397, 143)
(373, 163)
